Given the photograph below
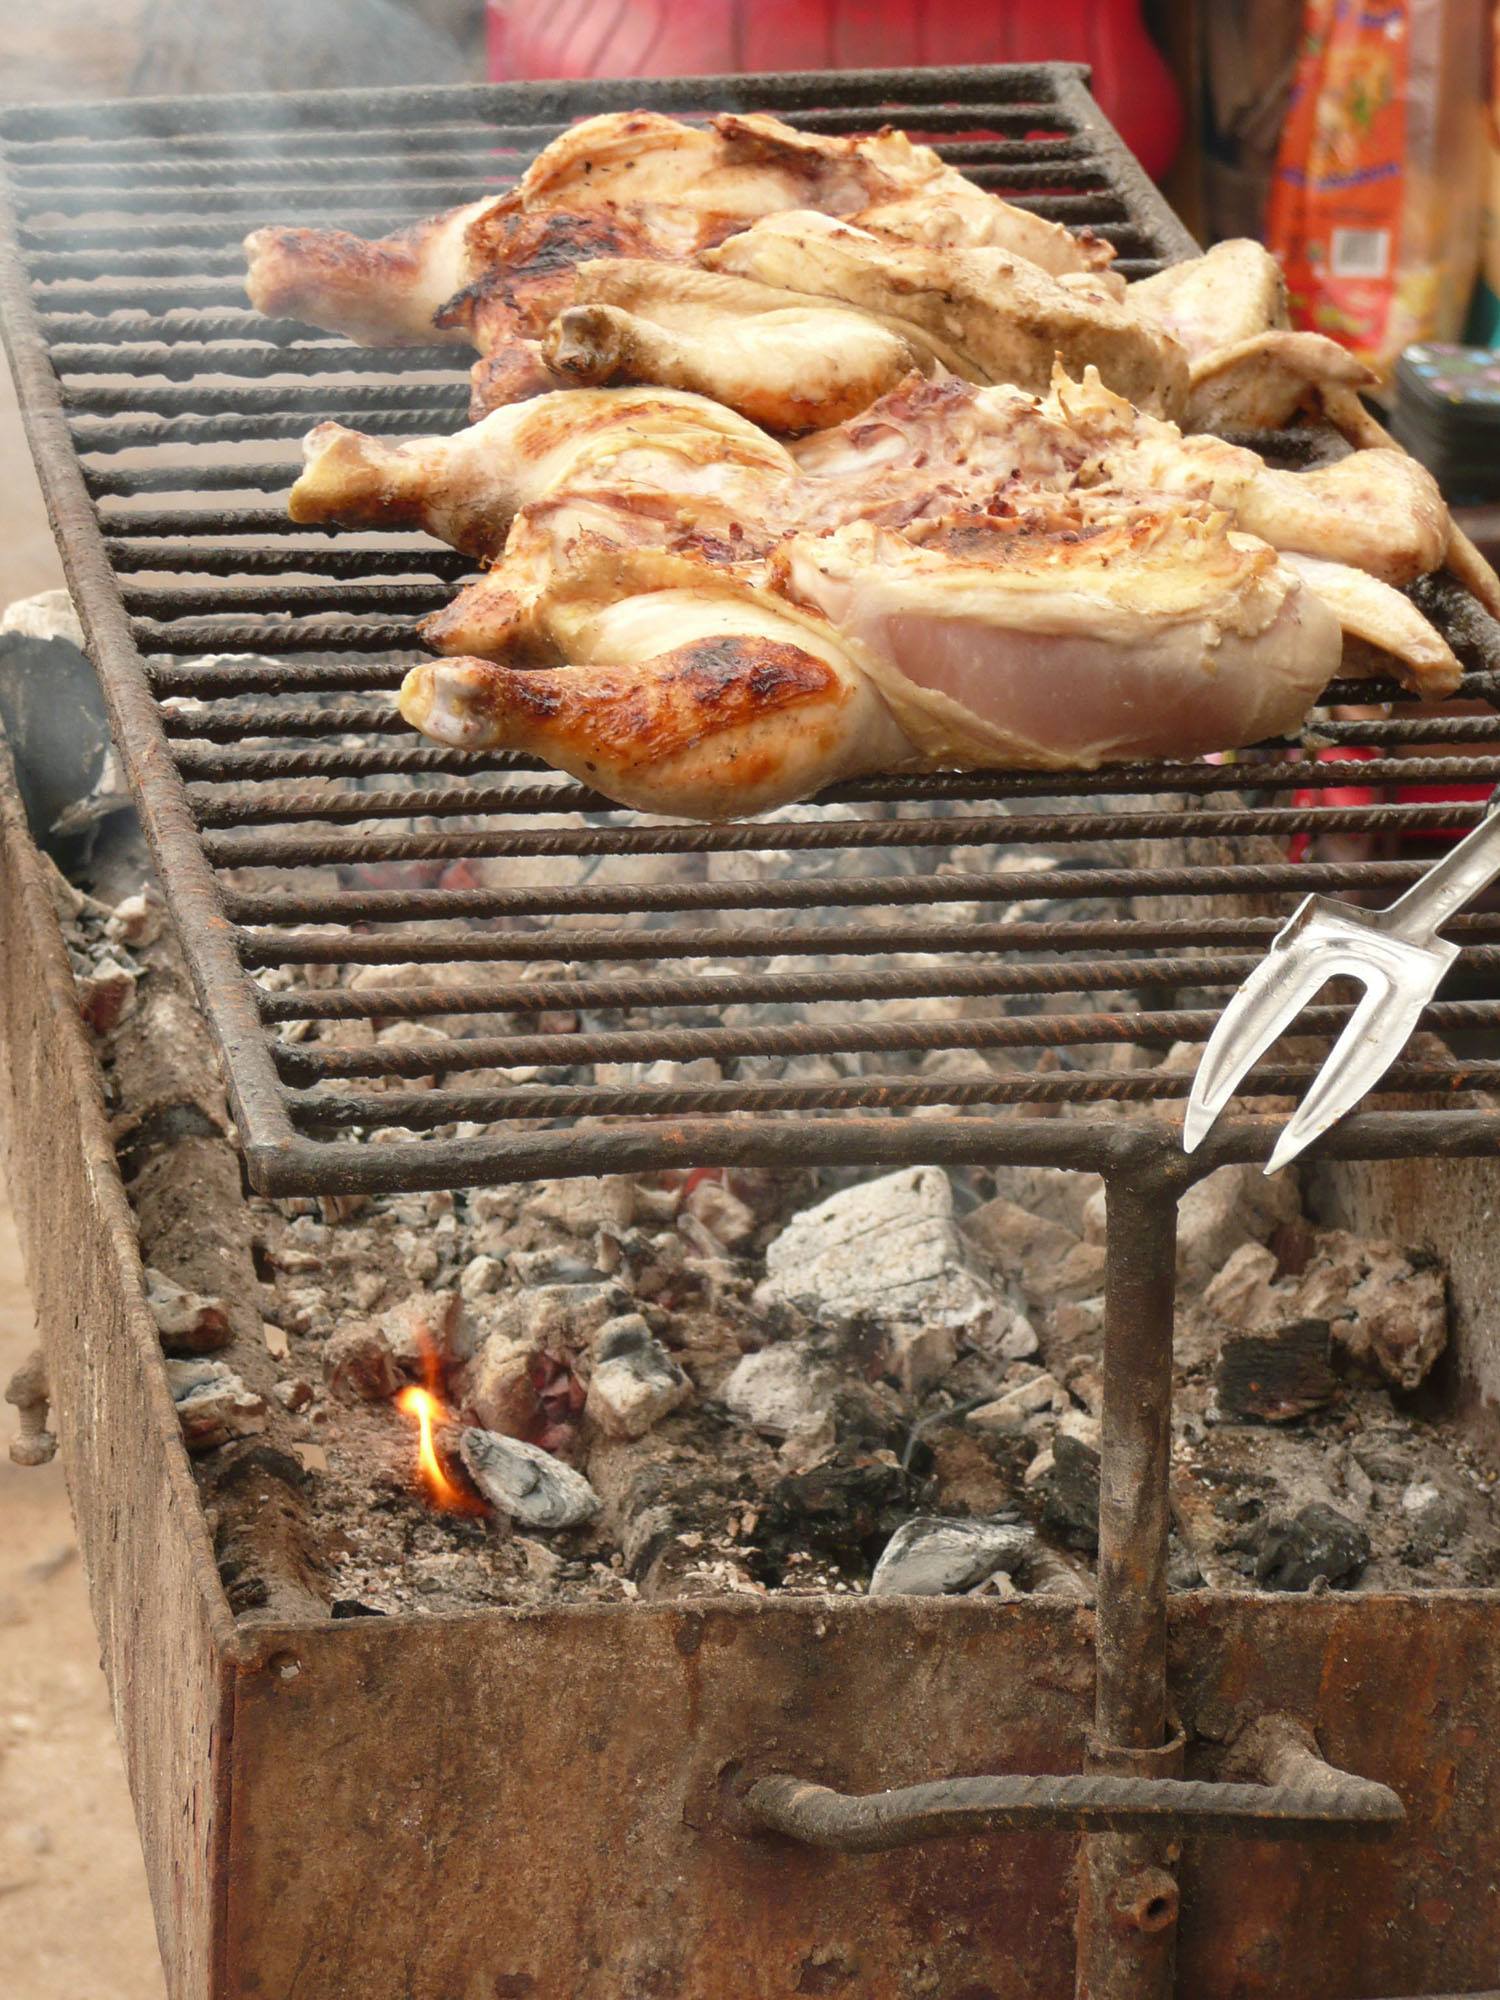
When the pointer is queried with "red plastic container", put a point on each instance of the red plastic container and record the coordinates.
(580, 38)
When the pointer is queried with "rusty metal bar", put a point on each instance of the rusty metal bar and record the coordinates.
(956, 1808)
(1127, 1904)
(158, 792)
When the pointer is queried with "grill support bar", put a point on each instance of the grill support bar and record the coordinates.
(1127, 1900)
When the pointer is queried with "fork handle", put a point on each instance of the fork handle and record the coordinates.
(1451, 882)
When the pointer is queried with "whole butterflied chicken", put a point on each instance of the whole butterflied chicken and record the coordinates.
(493, 274)
(1056, 640)
(660, 469)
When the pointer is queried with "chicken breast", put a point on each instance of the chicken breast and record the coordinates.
(1233, 291)
(984, 313)
(1065, 643)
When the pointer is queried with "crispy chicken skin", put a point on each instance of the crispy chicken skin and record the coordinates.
(382, 294)
(795, 369)
(683, 695)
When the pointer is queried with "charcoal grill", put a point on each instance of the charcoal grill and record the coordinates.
(248, 665)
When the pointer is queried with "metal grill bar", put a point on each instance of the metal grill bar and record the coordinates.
(249, 666)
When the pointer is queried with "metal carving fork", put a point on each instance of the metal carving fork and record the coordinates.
(1395, 953)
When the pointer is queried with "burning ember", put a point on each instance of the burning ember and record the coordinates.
(437, 1487)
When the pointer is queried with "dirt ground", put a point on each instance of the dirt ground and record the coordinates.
(73, 1905)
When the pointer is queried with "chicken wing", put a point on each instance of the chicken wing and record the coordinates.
(1380, 616)
(984, 313)
(1228, 311)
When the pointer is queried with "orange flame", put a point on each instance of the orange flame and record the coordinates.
(434, 1481)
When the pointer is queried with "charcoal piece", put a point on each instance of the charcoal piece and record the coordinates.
(526, 1482)
(1278, 1375)
(1070, 1494)
(1318, 1544)
(846, 1508)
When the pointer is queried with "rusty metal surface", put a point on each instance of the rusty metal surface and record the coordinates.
(1127, 1900)
(630, 1878)
(166, 1636)
(143, 375)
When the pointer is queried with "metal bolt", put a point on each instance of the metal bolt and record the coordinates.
(33, 1444)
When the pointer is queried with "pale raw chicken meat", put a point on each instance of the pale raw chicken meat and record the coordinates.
(1071, 643)
(985, 314)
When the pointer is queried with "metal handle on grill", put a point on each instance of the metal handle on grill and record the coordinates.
(1299, 1795)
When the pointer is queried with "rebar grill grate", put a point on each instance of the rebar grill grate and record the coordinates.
(980, 953)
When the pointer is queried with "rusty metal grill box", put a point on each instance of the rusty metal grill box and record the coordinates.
(543, 1803)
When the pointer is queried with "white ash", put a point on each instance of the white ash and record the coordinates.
(526, 1483)
(781, 1392)
(929, 1557)
(635, 1382)
(213, 1404)
(888, 1254)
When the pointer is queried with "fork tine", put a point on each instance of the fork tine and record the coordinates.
(1358, 1059)
(1270, 999)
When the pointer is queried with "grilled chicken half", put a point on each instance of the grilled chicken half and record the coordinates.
(1063, 640)
(625, 184)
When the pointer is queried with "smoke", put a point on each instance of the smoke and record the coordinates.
(204, 46)
(116, 48)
